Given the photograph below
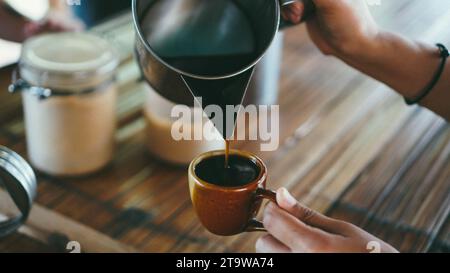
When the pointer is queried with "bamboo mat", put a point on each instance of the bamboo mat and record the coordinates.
(349, 147)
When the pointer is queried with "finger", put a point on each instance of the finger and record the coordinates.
(291, 231)
(286, 13)
(297, 7)
(310, 217)
(325, 4)
(268, 244)
(293, 12)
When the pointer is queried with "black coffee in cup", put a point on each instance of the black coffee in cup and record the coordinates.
(240, 171)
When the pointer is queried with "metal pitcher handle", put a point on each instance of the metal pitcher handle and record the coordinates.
(310, 9)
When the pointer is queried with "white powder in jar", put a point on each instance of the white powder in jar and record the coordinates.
(71, 135)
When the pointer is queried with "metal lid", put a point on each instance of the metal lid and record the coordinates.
(67, 61)
(19, 180)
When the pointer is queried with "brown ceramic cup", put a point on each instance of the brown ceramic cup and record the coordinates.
(229, 210)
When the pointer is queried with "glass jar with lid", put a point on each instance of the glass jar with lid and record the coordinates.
(69, 98)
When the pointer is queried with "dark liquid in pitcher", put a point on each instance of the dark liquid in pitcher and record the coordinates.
(213, 39)
(213, 65)
(240, 171)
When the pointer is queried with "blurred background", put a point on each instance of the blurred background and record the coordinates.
(349, 147)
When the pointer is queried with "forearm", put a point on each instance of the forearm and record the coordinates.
(406, 66)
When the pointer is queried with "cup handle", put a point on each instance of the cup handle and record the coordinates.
(309, 11)
(255, 225)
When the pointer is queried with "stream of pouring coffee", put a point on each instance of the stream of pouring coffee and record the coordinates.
(223, 92)
(230, 91)
(227, 152)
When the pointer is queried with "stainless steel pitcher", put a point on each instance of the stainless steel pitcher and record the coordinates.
(155, 20)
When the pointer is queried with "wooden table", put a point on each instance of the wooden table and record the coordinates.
(350, 148)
